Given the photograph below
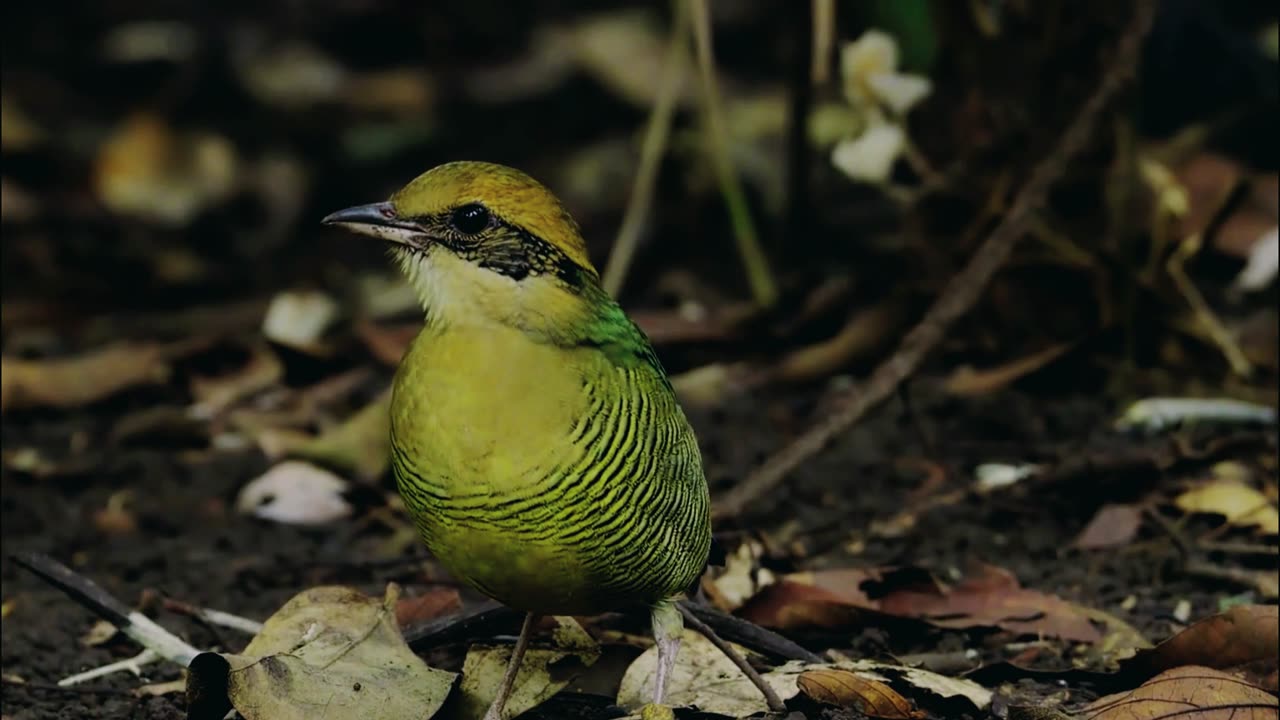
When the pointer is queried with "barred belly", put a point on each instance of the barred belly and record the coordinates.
(582, 492)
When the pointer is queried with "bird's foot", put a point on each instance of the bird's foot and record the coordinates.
(654, 711)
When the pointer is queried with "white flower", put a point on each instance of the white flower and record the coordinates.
(869, 66)
(870, 156)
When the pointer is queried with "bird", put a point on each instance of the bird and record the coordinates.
(536, 439)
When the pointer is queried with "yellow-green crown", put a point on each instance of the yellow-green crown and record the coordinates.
(509, 194)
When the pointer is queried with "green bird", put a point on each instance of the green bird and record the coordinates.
(536, 439)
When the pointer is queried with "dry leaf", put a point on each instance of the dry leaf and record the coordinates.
(704, 678)
(1241, 504)
(427, 606)
(966, 381)
(992, 597)
(361, 445)
(295, 493)
(147, 169)
(1190, 692)
(845, 689)
(298, 319)
(79, 380)
(989, 597)
(1114, 525)
(1242, 636)
(329, 652)
(543, 672)
(741, 579)
(824, 598)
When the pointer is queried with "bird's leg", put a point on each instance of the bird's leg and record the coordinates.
(668, 625)
(513, 668)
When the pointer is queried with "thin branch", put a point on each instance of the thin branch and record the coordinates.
(770, 696)
(140, 628)
(962, 292)
(763, 287)
(651, 152)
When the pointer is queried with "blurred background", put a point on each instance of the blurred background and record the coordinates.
(776, 208)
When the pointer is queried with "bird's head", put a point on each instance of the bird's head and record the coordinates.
(482, 242)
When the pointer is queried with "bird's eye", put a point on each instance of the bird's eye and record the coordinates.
(470, 219)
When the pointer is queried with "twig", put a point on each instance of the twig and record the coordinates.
(651, 152)
(770, 697)
(963, 290)
(214, 617)
(1208, 319)
(133, 665)
(748, 634)
(142, 629)
(488, 617)
(763, 288)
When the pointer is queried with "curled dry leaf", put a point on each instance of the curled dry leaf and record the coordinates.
(83, 379)
(543, 673)
(1241, 504)
(329, 652)
(846, 689)
(295, 493)
(1244, 636)
(1190, 692)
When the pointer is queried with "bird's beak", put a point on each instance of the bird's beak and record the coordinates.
(379, 220)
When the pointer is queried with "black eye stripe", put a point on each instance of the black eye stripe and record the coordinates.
(470, 219)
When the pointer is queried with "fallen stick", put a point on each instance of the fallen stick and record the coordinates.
(160, 643)
(960, 294)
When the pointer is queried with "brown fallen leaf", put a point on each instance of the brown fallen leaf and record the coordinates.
(842, 688)
(988, 597)
(992, 596)
(966, 381)
(1244, 636)
(82, 379)
(427, 606)
(1190, 692)
(1114, 525)
(823, 598)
